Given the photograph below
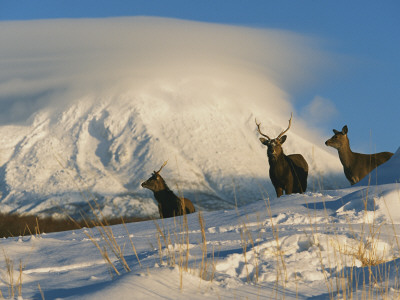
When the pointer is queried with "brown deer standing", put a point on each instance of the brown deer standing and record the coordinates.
(356, 165)
(169, 205)
(287, 172)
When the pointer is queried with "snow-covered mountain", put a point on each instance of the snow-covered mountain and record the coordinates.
(107, 102)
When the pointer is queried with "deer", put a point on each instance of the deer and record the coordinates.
(288, 173)
(355, 165)
(169, 205)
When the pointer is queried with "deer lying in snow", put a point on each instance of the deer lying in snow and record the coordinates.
(287, 172)
(169, 205)
(356, 165)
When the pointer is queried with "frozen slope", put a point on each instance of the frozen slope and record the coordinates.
(108, 101)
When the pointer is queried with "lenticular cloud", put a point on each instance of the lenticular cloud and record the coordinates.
(56, 60)
(96, 105)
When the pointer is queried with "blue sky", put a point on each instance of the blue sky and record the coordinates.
(364, 36)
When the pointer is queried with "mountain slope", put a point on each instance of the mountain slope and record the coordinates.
(90, 113)
(108, 149)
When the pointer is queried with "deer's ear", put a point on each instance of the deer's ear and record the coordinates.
(264, 141)
(335, 131)
(283, 139)
(345, 129)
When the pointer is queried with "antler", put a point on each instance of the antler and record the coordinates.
(259, 130)
(290, 123)
(162, 167)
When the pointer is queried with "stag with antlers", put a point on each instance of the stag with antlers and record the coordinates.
(169, 205)
(288, 173)
(355, 165)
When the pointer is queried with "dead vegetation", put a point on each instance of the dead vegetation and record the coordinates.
(20, 225)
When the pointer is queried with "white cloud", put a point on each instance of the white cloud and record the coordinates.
(319, 110)
(52, 62)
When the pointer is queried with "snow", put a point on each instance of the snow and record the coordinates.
(294, 247)
(90, 136)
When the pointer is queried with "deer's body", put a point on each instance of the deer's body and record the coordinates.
(355, 165)
(169, 205)
(288, 173)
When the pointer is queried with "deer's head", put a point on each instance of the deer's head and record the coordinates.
(155, 183)
(339, 138)
(274, 145)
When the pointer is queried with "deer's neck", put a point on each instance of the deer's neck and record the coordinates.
(163, 194)
(277, 160)
(346, 155)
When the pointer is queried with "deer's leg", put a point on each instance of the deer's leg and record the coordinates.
(279, 191)
(289, 187)
(354, 180)
(304, 184)
(160, 210)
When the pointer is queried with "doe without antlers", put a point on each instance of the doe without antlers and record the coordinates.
(355, 165)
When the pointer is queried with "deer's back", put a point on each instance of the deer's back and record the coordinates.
(298, 161)
(371, 161)
(189, 207)
(363, 164)
(170, 205)
(177, 207)
(382, 157)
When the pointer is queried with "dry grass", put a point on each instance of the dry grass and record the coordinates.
(203, 264)
(41, 292)
(130, 240)
(367, 257)
(281, 272)
(247, 240)
(174, 248)
(164, 235)
(105, 241)
(14, 287)
(176, 245)
(364, 258)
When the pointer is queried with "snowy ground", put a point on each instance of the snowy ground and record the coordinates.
(311, 246)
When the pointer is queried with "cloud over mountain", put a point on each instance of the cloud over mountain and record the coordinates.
(96, 105)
